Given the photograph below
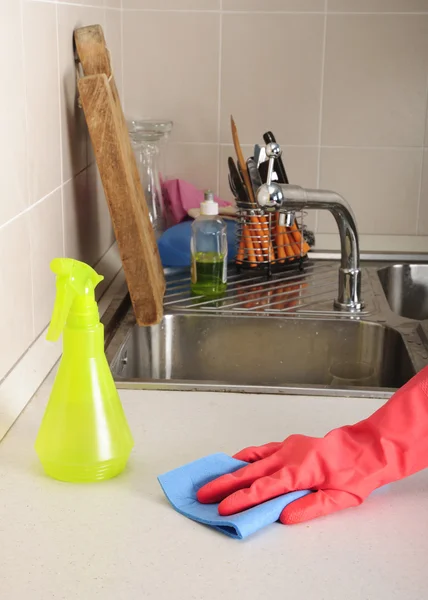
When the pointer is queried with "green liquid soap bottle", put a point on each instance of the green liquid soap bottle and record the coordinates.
(208, 248)
(84, 435)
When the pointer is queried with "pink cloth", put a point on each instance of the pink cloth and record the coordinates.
(181, 196)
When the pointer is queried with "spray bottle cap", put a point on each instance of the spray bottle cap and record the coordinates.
(209, 206)
(75, 297)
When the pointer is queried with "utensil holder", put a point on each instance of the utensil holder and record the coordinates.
(264, 243)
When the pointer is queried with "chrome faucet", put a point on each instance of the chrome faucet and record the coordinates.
(283, 198)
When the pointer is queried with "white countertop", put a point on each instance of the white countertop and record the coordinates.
(120, 539)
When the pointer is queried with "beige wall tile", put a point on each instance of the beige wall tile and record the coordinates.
(281, 88)
(423, 206)
(113, 3)
(375, 80)
(178, 79)
(85, 2)
(301, 165)
(378, 5)
(275, 5)
(73, 125)
(16, 326)
(88, 233)
(13, 179)
(47, 238)
(382, 186)
(42, 85)
(195, 163)
(173, 4)
(113, 35)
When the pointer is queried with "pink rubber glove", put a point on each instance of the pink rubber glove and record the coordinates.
(344, 467)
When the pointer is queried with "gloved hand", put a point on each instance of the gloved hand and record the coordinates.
(344, 467)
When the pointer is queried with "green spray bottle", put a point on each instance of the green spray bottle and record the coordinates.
(84, 435)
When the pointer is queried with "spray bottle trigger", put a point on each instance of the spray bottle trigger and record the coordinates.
(73, 278)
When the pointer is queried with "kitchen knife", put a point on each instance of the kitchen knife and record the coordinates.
(263, 170)
(261, 156)
(237, 186)
(253, 172)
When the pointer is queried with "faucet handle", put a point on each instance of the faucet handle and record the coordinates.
(273, 152)
(271, 195)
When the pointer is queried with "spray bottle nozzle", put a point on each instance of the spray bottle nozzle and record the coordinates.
(74, 279)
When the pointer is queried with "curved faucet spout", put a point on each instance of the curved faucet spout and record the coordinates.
(275, 196)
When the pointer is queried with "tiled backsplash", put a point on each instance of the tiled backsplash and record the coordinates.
(343, 84)
(51, 199)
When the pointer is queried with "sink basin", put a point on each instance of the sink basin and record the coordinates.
(406, 289)
(266, 354)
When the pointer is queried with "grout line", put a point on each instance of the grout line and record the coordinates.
(177, 143)
(220, 55)
(418, 209)
(241, 12)
(60, 129)
(122, 57)
(29, 208)
(317, 12)
(229, 144)
(217, 11)
(270, 12)
(26, 120)
(316, 146)
(77, 4)
(425, 143)
(396, 148)
(27, 171)
(33, 308)
(324, 43)
(332, 147)
(63, 222)
(410, 236)
(77, 174)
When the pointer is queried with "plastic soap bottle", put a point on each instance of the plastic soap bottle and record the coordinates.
(209, 251)
(84, 435)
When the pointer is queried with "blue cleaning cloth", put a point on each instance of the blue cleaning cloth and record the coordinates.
(180, 487)
(174, 244)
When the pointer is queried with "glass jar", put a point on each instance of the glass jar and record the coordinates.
(146, 136)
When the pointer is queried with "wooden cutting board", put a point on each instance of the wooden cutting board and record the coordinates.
(119, 174)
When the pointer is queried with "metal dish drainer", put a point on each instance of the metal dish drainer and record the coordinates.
(270, 242)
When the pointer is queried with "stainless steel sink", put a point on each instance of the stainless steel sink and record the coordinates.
(278, 335)
(243, 353)
(406, 289)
